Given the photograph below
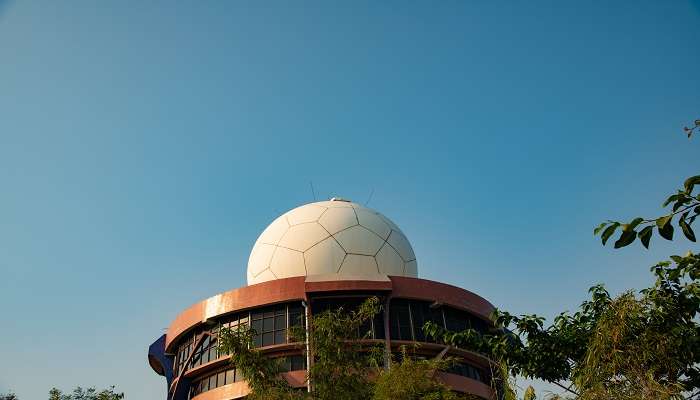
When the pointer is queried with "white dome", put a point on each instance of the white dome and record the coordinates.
(335, 237)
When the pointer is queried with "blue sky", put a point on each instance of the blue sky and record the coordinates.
(145, 145)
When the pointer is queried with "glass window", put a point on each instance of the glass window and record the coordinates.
(400, 318)
(281, 322)
(268, 339)
(268, 324)
(230, 376)
(296, 315)
(407, 318)
(298, 363)
(280, 336)
(467, 370)
(422, 313)
(378, 326)
(292, 363)
(373, 329)
(455, 320)
(257, 326)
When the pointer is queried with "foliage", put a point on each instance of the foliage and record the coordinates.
(692, 129)
(635, 346)
(529, 394)
(8, 396)
(344, 367)
(86, 394)
(684, 204)
(629, 359)
(643, 345)
(261, 373)
(413, 379)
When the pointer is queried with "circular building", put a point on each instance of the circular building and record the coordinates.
(315, 257)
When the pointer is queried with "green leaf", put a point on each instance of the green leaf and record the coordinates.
(666, 231)
(626, 238)
(634, 223)
(645, 235)
(679, 203)
(663, 221)
(670, 199)
(690, 182)
(529, 394)
(687, 230)
(599, 228)
(608, 232)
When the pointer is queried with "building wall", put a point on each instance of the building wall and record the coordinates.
(272, 307)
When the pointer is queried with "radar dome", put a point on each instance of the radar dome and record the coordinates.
(336, 237)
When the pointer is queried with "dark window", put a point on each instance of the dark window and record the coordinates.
(296, 315)
(298, 363)
(213, 381)
(268, 339)
(408, 317)
(456, 320)
(280, 336)
(400, 317)
(292, 363)
(230, 376)
(422, 313)
(372, 329)
(256, 326)
(378, 326)
(467, 370)
(270, 325)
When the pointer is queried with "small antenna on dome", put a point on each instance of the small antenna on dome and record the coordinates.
(313, 192)
(370, 197)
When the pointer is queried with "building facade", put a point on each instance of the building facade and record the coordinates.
(319, 256)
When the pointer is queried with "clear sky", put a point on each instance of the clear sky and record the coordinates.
(145, 145)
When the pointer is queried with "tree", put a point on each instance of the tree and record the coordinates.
(410, 379)
(8, 396)
(643, 345)
(344, 367)
(686, 206)
(86, 394)
(261, 373)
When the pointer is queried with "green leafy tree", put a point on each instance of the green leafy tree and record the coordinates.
(643, 345)
(685, 207)
(413, 379)
(8, 396)
(80, 393)
(344, 366)
(261, 373)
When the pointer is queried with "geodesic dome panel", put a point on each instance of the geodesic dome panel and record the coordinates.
(331, 237)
